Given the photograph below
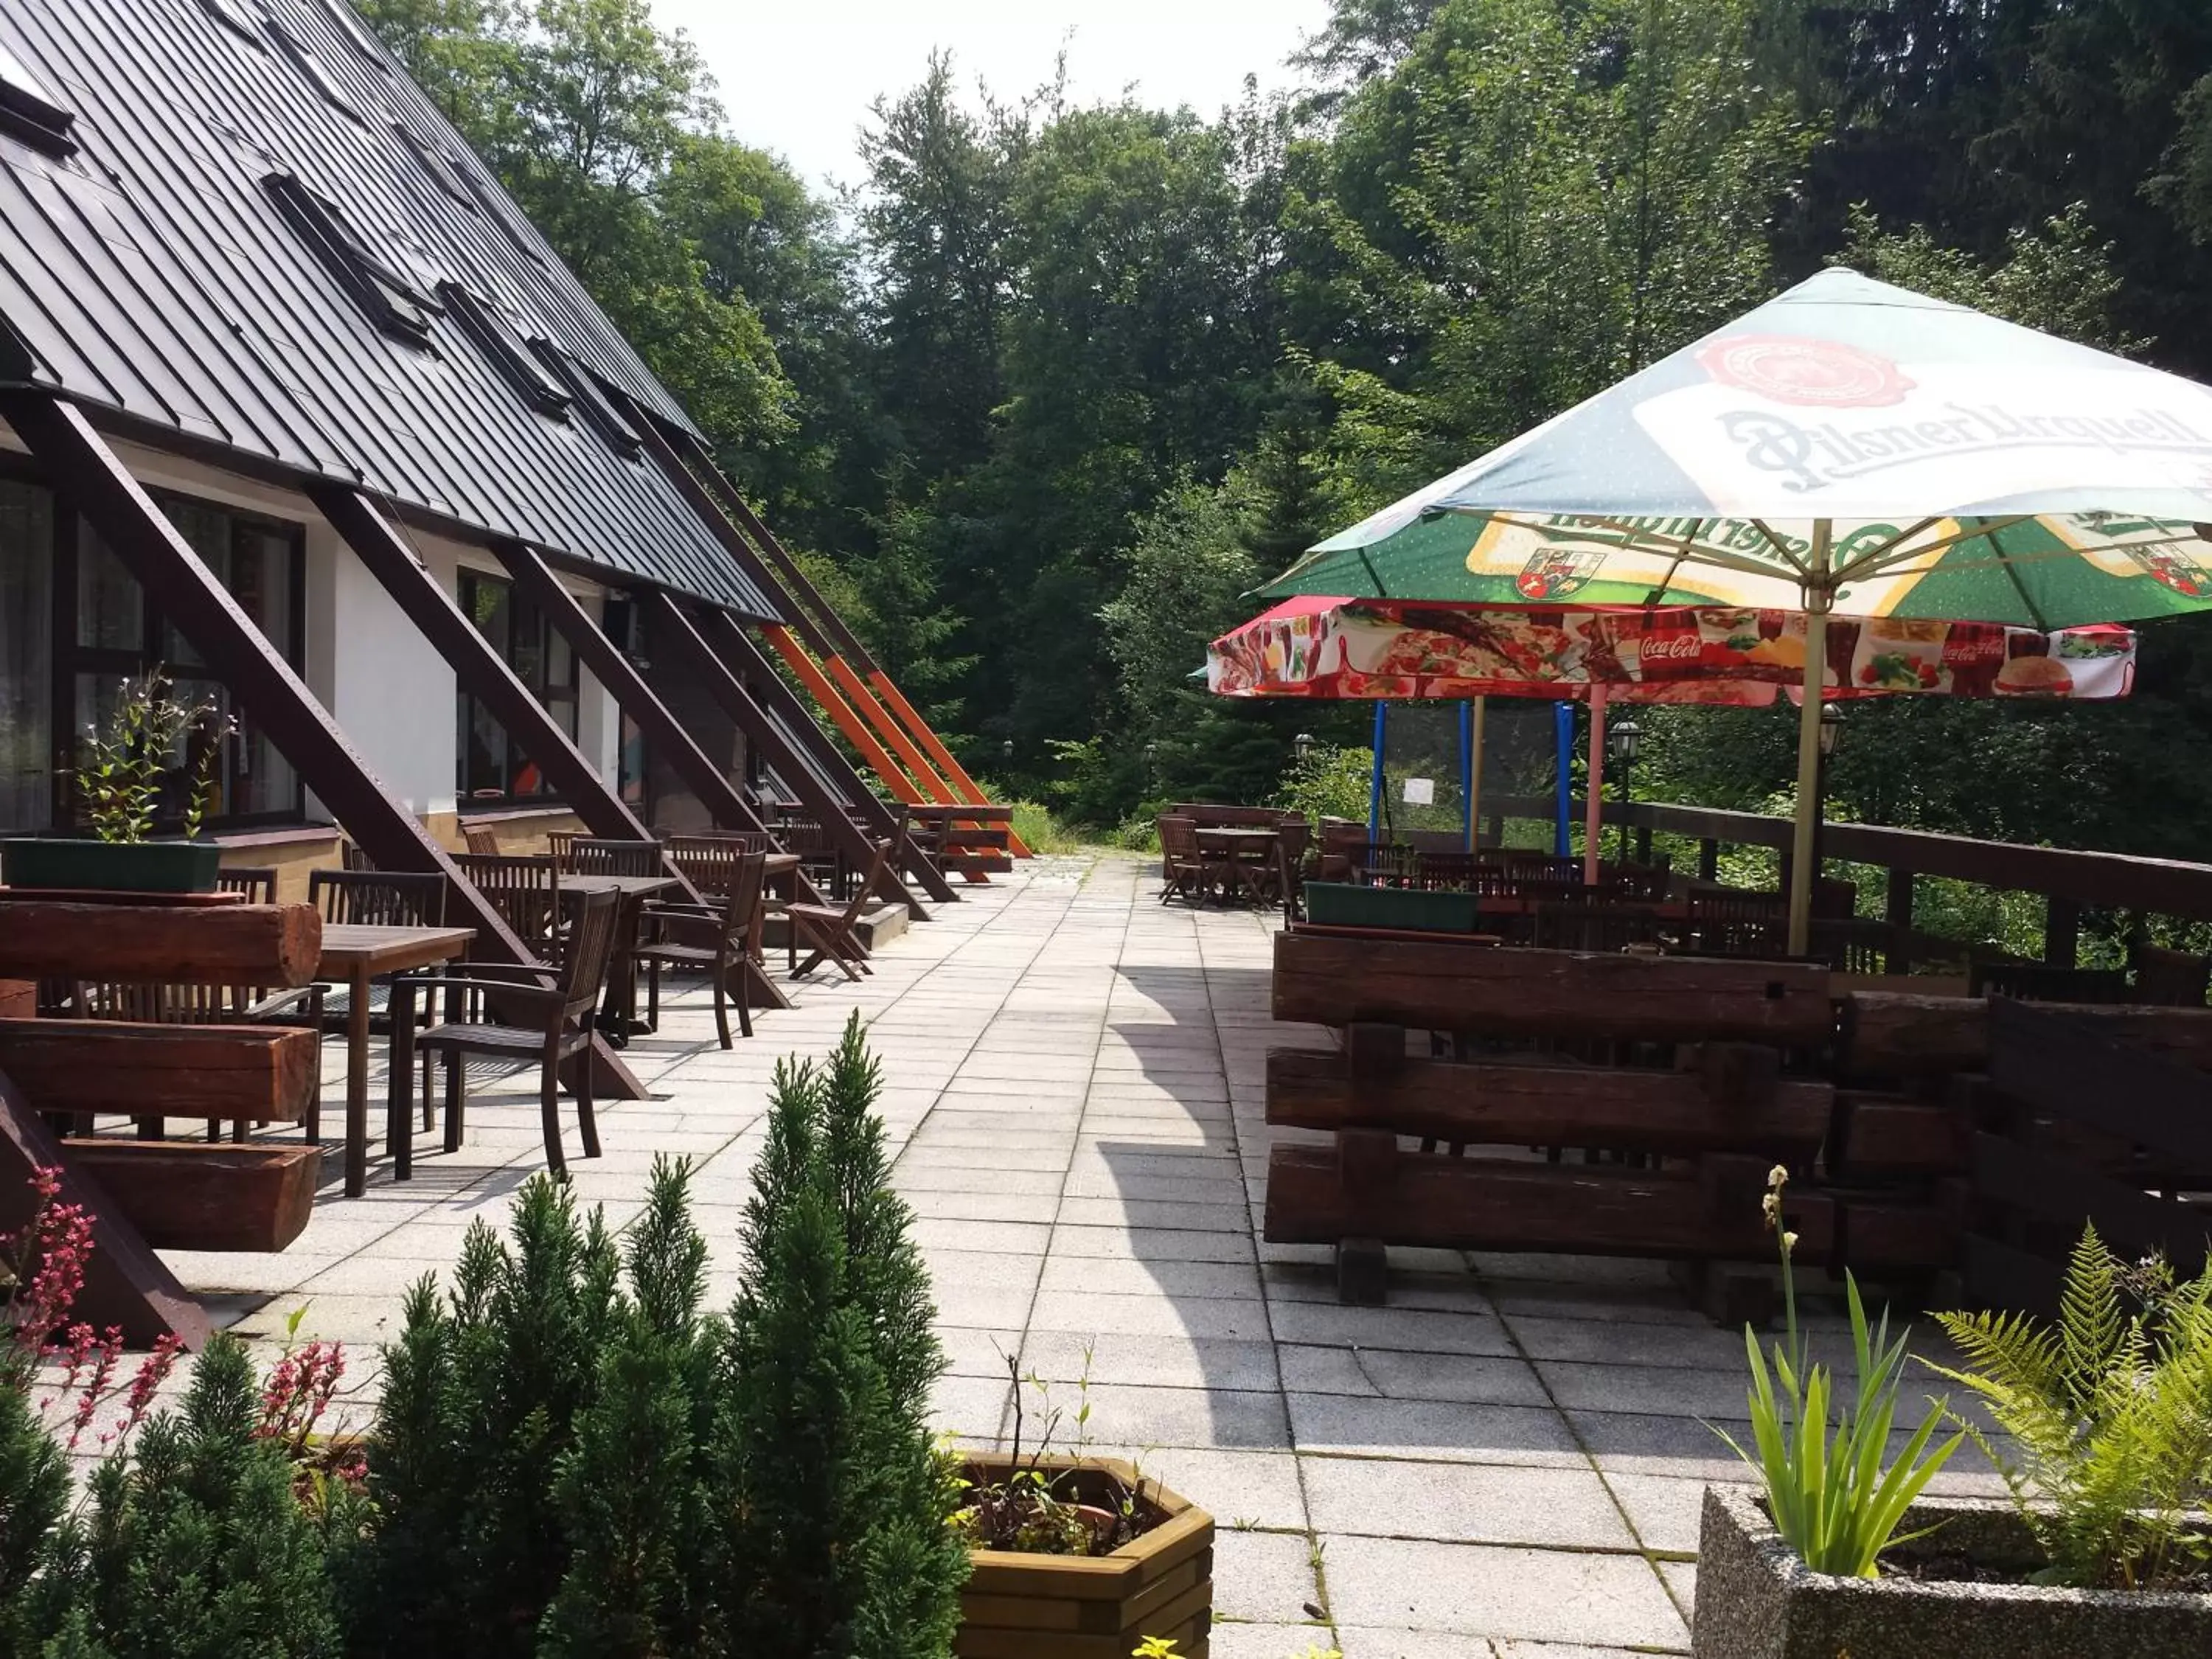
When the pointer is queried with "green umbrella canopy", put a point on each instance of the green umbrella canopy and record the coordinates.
(1849, 445)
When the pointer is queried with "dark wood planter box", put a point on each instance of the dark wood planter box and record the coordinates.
(150, 866)
(205, 1194)
(1756, 1600)
(1061, 1606)
(1351, 904)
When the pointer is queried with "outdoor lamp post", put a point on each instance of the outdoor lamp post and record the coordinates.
(1302, 745)
(1622, 743)
(1832, 736)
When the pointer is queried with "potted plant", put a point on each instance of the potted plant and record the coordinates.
(1077, 1557)
(119, 785)
(2103, 1546)
(1354, 904)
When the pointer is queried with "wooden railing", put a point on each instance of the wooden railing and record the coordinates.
(2068, 880)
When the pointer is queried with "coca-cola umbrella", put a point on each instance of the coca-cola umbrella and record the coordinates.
(1387, 650)
(1848, 449)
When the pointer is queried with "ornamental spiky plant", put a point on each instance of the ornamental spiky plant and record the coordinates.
(2111, 1412)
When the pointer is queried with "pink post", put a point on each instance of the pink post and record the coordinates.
(1592, 830)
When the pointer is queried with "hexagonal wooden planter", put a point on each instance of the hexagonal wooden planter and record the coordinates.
(1063, 1606)
(1757, 1600)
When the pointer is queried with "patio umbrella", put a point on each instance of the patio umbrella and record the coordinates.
(1848, 449)
(1355, 649)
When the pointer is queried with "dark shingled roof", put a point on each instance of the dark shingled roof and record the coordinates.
(154, 261)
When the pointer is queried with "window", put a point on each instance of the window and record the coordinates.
(27, 577)
(496, 338)
(30, 112)
(439, 165)
(234, 16)
(116, 633)
(392, 300)
(594, 404)
(304, 60)
(492, 767)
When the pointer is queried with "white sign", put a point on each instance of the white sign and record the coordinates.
(1420, 792)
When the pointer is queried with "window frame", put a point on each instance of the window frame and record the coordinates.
(563, 702)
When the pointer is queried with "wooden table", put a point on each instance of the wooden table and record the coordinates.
(357, 954)
(1245, 849)
(618, 1012)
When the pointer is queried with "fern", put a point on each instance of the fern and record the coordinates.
(2111, 1412)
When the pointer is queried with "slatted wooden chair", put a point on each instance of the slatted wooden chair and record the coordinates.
(482, 839)
(376, 898)
(1581, 926)
(591, 856)
(1446, 872)
(715, 939)
(518, 1014)
(203, 1005)
(832, 931)
(2170, 979)
(1643, 883)
(803, 834)
(710, 863)
(526, 893)
(1728, 921)
(257, 884)
(1186, 870)
(560, 843)
(2037, 982)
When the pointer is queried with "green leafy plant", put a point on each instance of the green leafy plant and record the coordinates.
(1085, 1509)
(1166, 1647)
(1328, 781)
(2112, 1411)
(1826, 1488)
(119, 780)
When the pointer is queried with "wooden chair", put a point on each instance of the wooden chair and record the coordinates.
(205, 1004)
(378, 898)
(482, 839)
(2170, 979)
(521, 1013)
(819, 856)
(1607, 929)
(1285, 872)
(2037, 982)
(560, 843)
(710, 863)
(591, 856)
(1728, 921)
(716, 939)
(834, 932)
(257, 883)
(1446, 872)
(353, 858)
(1644, 884)
(1187, 871)
(526, 893)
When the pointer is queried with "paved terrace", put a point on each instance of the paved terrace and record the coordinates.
(1505, 1463)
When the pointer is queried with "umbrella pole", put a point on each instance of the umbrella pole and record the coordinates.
(1375, 780)
(1805, 839)
(1594, 808)
(1473, 732)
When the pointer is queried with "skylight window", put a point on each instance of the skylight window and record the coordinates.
(304, 59)
(440, 166)
(598, 409)
(30, 112)
(234, 15)
(499, 342)
(392, 300)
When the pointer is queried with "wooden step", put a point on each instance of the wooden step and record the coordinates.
(205, 1194)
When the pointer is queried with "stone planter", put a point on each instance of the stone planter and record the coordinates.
(147, 867)
(1063, 1606)
(1757, 1600)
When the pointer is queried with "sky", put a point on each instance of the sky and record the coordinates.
(797, 77)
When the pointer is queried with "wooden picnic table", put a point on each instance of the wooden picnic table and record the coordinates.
(1250, 850)
(356, 954)
(619, 1011)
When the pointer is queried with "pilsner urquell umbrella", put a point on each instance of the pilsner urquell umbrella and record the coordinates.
(1847, 448)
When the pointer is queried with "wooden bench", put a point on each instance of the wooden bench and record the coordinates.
(972, 841)
(1692, 1093)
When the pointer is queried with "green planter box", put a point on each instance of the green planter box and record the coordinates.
(1346, 904)
(149, 866)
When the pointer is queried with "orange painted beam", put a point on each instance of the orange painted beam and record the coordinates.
(842, 715)
(863, 700)
(895, 700)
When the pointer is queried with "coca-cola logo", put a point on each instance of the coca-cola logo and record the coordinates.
(1811, 373)
(1672, 647)
(1961, 650)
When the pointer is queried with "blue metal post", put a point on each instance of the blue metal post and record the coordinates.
(1375, 788)
(1466, 770)
(1562, 733)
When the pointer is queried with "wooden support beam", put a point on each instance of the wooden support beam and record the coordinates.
(125, 1284)
(694, 659)
(2061, 931)
(266, 687)
(481, 671)
(1900, 1035)
(270, 946)
(253, 1071)
(723, 636)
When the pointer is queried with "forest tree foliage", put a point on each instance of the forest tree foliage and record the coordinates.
(1052, 384)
